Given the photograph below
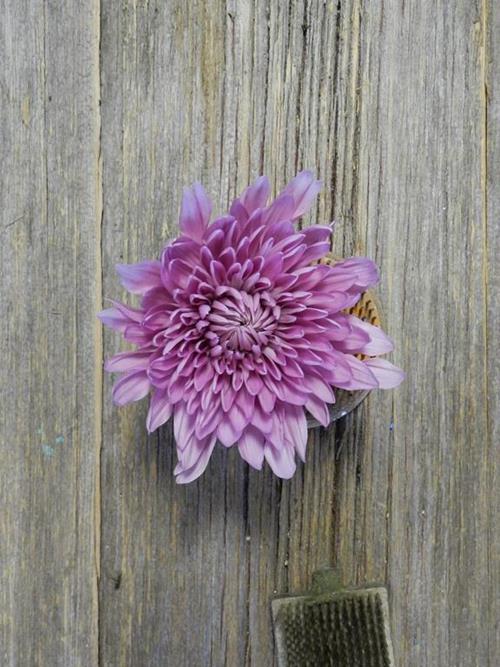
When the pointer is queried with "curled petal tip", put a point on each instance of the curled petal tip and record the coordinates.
(304, 189)
(195, 212)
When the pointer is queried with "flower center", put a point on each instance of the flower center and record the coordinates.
(240, 323)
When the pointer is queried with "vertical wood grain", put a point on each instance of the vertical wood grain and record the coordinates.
(385, 101)
(50, 346)
(104, 560)
(491, 222)
(417, 506)
(214, 93)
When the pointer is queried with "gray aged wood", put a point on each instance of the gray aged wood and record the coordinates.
(50, 345)
(491, 222)
(396, 105)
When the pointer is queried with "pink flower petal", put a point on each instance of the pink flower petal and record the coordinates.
(376, 341)
(251, 447)
(279, 231)
(255, 196)
(160, 371)
(136, 333)
(131, 387)
(177, 390)
(253, 384)
(184, 476)
(155, 297)
(317, 234)
(237, 418)
(295, 429)
(292, 369)
(195, 212)
(227, 396)
(335, 369)
(227, 433)
(364, 269)
(267, 399)
(180, 273)
(246, 403)
(318, 387)
(120, 316)
(113, 319)
(304, 189)
(319, 410)
(387, 375)
(362, 376)
(191, 451)
(127, 361)
(207, 422)
(281, 460)
(276, 436)
(333, 302)
(273, 266)
(313, 252)
(140, 278)
(310, 277)
(288, 392)
(159, 412)
(262, 421)
(184, 425)
(281, 209)
(202, 376)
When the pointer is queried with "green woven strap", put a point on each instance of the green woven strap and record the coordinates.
(330, 626)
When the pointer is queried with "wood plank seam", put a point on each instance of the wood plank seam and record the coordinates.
(98, 345)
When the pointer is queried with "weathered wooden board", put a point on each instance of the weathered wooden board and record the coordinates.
(396, 105)
(491, 296)
(50, 346)
(425, 519)
(386, 101)
(220, 94)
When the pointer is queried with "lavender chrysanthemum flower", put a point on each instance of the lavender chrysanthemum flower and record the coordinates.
(238, 333)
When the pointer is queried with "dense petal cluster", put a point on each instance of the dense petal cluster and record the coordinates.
(239, 332)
